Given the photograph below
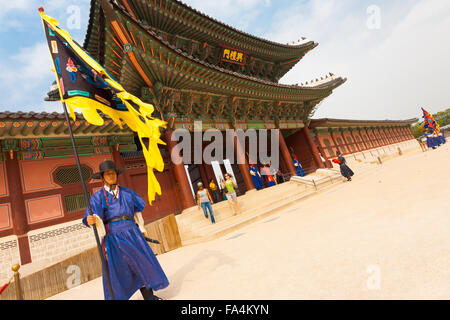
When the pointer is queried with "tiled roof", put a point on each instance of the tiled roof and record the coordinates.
(331, 83)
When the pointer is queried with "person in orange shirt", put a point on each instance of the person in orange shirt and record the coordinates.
(213, 188)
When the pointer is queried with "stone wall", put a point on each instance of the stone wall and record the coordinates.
(55, 243)
(53, 270)
(9, 255)
(47, 245)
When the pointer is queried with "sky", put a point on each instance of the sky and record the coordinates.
(394, 54)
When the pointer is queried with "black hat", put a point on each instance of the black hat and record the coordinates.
(105, 166)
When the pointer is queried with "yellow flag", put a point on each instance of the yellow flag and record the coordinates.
(84, 84)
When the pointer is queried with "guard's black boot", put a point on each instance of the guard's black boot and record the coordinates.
(147, 294)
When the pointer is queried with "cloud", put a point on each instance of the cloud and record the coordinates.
(25, 64)
(10, 8)
(240, 14)
(26, 77)
(391, 71)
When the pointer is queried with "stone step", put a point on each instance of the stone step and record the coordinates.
(233, 223)
(197, 219)
(250, 208)
(191, 215)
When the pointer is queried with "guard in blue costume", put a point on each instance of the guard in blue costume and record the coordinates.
(430, 141)
(117, 214)
(437, 140)
(256, 176)
(345, 170)
(298, 167)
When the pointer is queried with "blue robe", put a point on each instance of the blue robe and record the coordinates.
(299, 168)
(431, 143)
(345, 170)
(437, 141)
(257, 181)
(131, 262)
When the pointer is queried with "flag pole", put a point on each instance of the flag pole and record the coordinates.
(86, 196)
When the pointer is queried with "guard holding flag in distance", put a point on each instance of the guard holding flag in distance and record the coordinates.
(128, 263)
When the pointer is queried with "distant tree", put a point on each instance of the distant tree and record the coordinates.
(417, 130)
(442, 117)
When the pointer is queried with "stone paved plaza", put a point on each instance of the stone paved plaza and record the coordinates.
(382, 236)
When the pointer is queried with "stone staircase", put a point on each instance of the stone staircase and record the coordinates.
(255, 205)
(320, 179)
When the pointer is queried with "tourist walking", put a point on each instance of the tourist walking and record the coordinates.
(204, 200)
(223, 190)
(213, 188)
(229, 184)
(345, 170)
(131, 263)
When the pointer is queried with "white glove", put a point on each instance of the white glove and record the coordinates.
(100, 226)
(140, 221)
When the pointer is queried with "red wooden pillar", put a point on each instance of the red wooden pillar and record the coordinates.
(346, 144)
(374, 141)
(362, 139)
(203, 175)
(411, 135)
(383, 138)
(354, 140)
(242, 162)
(180, 173)
(321, 151)
(210, 174)
(395, 135)
(402, 133)
(124, 178)
(405, 133)
(330, 130)
(18, 209)
(388, 135)
(313, 148)
(369, 140)
(289, 162)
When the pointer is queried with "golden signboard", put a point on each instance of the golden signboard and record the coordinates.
(233, 55)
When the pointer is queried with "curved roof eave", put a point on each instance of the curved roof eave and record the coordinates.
(324, 86)
(301, 45)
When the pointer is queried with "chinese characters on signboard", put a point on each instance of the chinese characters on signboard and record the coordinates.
(233, 55)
